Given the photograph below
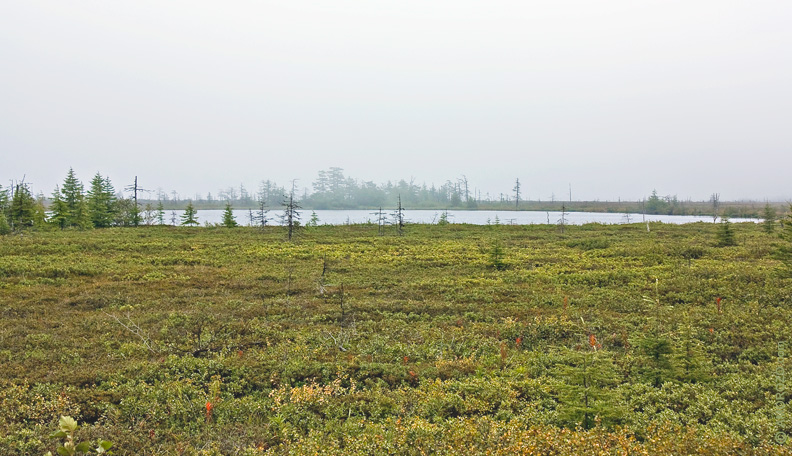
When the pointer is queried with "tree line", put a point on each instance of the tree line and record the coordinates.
(100, 205)
(72, 206)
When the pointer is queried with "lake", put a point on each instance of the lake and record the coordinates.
(342, 217)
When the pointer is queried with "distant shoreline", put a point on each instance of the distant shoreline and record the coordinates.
(736, 209)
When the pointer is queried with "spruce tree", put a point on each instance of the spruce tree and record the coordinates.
(101, 202)
(59, 213)
(40, 212)
(5, 227)
(655, 365)
(160, 213)
(769, 217)
(23, 207)
(586, 395)
(725, 236)
(4, 199)
(74, 199)
(229, 221)
(689, 358)
(314, 220)
(189, 217)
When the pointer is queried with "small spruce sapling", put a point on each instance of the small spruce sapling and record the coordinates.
(160, 213)
(496, 255)
(586, 398)
(189, 217)
(725, 235)
(314, 220)
(769, 217)
(229, 221)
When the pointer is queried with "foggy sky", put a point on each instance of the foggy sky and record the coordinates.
(615, 97)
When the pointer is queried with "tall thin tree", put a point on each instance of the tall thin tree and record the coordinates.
(517, 193)
(135, 189)
(398, 217)
(291, 212)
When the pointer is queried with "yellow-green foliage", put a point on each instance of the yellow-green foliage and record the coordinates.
(450, 339)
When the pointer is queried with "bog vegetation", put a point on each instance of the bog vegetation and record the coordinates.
(448, 339)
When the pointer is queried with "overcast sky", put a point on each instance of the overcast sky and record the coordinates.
(616, 97)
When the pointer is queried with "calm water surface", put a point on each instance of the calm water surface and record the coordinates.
(341, 217)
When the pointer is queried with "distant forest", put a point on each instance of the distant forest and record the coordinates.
(101, 204)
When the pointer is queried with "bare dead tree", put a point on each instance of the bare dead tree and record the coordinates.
(259, 218)
(136, 330)
(517, 194)
(291, 212)
(135, 208)
(381, 221)
(562, 220)
(715, 200)
(464, 182)
(341, 338)
(398, 217)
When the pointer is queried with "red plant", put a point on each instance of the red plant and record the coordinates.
(718, 303)
(209, 407)
(518, 341)
(406, 358)
(593, 342)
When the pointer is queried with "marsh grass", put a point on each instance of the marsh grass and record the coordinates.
(430, 347)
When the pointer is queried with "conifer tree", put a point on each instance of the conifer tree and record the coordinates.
(725, 235)
(23, 207)
(229, 221)
(5, 227)
(190, 215)
(4, 199)
(74, 200)
(40, 212)
(314, 221)
(689, 359)
(769, 217)
(587, 394)
(160, 213)
(59, 213)
(101, 202)
(656, 360)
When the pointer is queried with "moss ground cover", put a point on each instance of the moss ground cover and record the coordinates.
(451, 339)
